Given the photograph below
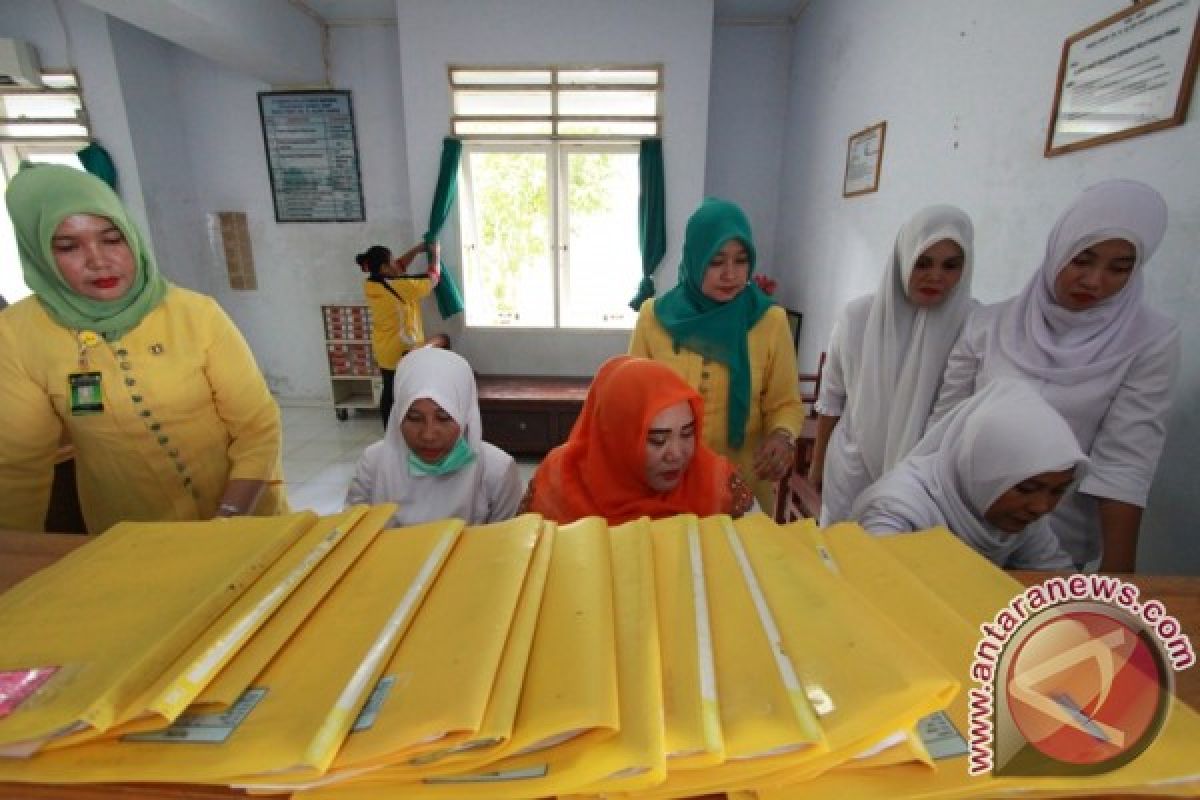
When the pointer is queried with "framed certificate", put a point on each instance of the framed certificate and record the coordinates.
(1129, 74)
(864, 157)
(312, 155)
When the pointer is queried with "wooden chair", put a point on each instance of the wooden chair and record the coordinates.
(795, 496)
(810, 386)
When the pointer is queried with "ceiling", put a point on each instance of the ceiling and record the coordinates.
(352, 12)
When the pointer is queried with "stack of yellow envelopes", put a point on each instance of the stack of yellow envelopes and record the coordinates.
(336, 660)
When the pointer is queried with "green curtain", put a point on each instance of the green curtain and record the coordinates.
(652, 216)
(96, 160)
(449, 299)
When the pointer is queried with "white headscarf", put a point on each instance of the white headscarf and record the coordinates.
(1001, 436)
(1066, 347)
(445, 378)
(905, 346)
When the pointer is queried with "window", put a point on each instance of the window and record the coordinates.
(47, 124)
(549, 193)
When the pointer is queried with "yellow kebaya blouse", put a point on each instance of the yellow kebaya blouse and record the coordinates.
(774, 391)
(396, 324)
(185, 410)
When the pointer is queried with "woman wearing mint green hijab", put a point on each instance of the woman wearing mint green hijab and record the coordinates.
(729, 341)
(152, 384)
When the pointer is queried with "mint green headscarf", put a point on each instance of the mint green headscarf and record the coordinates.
(39, 198)
(713, 329)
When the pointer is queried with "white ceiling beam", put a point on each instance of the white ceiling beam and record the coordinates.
(272, 40)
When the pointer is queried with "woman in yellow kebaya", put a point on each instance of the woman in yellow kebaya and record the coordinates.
(395, 297)
(152, 384)
(730, 343)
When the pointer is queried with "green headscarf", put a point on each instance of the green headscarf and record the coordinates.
(714, 329)
(39, 198)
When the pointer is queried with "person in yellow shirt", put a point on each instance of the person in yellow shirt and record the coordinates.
(728, 340)
(153, 385)
(394, 298)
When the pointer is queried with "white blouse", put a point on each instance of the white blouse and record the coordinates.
(1118, 417)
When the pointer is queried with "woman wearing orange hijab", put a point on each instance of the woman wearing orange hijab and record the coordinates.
(636, 451)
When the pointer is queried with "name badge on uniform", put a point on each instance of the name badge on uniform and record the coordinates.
(87, 396)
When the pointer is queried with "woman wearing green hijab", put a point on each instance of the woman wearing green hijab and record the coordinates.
(152, 384)
(728, 340)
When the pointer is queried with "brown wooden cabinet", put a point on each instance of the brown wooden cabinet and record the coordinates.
(529, 414)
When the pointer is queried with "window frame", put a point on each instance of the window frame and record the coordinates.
(556, 154)
(555, 86)
(15, 149)
(563, 231)
(470, 237)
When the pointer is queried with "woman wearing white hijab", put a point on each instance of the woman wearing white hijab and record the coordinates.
(988, 473)
(432, 460)
(887, 355)
(1081, 334)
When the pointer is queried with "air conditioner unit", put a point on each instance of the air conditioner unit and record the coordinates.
(19, 64)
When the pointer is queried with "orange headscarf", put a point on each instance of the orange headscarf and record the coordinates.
(600, 470)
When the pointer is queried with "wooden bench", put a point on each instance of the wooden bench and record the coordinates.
(529, 414)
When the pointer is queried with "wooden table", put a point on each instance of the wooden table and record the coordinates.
(1181, 596)
(22, 554)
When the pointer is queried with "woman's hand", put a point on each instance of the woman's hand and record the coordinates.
(775, 456)
(241, 497)
(434, 251)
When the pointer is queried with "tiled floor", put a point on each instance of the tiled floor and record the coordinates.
(320, 453)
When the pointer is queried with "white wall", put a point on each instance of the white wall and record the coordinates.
(747, 122)
(300, 266)
(966, 90)
(676, 33)
(159, 145)
(273, 40)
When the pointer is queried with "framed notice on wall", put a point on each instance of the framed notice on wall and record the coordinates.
(1129, 74)
(312, 156)
(864, 157)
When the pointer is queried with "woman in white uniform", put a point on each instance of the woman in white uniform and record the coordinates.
(1081, 334)
(990, 471)
(432, 460)
(887, 355)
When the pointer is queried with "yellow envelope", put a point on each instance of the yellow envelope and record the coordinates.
(690, 708)
(636, 757)
(765, 715)
(302, 706)
(233, 681)
(570, 688)
(632, 754)
(102, 625)
(941, 591)
(492, 739)
(869, 680)
(764, 710)
(195, 668)
(443, 671)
